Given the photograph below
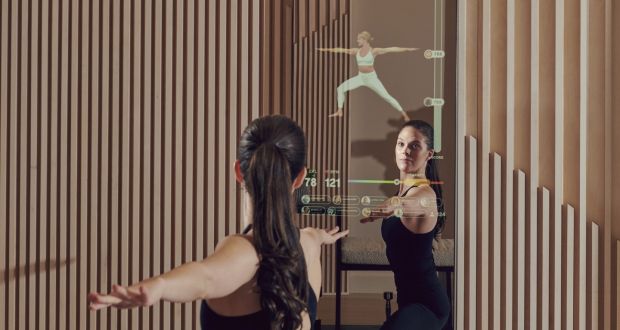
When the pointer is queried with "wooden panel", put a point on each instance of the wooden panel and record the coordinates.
(484, 123)
(615, 230)
(617, 280)
(558, 189)
(312, 101)
(520, 216)
(107, 114)
(496, 234)
(472, 66)
(543, 260)
(531, 319)
(461, 252)
(472, 232)
(593, 275)
(4, 177)
(508, 175)
(523, 86)
(569, 293)
(605, 275)
(566, 81)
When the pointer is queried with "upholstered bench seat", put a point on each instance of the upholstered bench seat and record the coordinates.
(371, 251)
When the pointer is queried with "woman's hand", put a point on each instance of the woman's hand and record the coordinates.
(330, 237)
(143, 294)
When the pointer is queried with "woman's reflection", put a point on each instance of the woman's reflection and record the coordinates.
(367, 76)
(422, 301)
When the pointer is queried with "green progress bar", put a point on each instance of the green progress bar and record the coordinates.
(372, 181)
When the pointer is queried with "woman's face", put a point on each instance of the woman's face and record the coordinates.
(361, 41)
(412, 152)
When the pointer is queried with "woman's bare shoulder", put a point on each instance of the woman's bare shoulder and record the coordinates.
(239, 243)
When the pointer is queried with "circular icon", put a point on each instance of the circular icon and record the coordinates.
(366, 212)
(305, 199)
(305, 210)
(428, 101)
(395, 201)
(428, 54)
(337, 199)
(365, 200)
(396, 182)
(424, 202)
(330, 211)
(398, 212)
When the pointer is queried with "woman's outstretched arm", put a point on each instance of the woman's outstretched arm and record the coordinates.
(233, 264)
(380, 51)
(350, 51)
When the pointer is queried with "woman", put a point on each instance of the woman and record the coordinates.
(365, 56)
(268, 277)
(422, 301)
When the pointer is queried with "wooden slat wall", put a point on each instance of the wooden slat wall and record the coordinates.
(321, 23)
(538, 98)
(119, 122)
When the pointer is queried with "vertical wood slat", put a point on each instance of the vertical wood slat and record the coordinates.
(483, 229)
(496, 234)
(583, 152)
(593, 268)
(83, 191)
(94, 212)
(543, 275)
(605, 268)
(461, 254)
(144, 19)
(530, 314)
(136, 117)
(557, 320)
(4, 177)
(22, 166)
(11, 163)
(617, 279)
(472, 235)
(508, 230)
(558, 192)
(520, 216)
(569, 297)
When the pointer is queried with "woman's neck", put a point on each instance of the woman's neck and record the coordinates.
(408, 180)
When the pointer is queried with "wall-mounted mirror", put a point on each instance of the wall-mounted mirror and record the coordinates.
(360, 73)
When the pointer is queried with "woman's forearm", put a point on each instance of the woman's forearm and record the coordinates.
(185, 283)
(333, 50)
(397, 49)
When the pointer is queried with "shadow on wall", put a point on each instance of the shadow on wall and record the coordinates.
(33, 268)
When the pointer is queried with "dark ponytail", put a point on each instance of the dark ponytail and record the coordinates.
(272, 153)
(431, 171)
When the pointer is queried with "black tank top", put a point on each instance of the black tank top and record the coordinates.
(259, 320)
(256, 321)
(411, 259)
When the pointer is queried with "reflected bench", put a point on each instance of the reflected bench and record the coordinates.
(368, 254)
